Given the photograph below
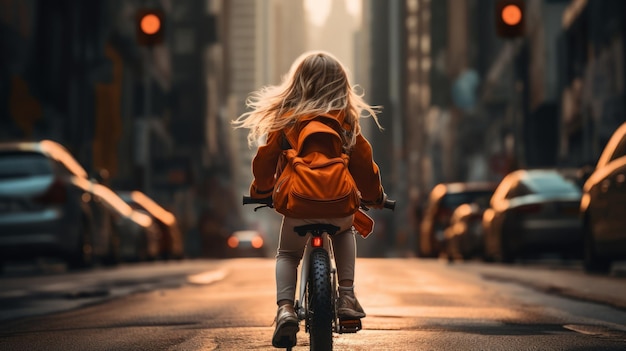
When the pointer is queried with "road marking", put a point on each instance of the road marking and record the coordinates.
(207, 277)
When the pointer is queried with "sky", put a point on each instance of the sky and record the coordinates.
(333, 32)
(318, 10)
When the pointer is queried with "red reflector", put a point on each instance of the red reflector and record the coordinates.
(316, 241)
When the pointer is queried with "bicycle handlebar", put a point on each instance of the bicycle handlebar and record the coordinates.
(247, 200)
(267, 201)
(390, 204)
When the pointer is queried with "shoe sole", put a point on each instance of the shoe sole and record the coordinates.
(286, 336)
(349, 314)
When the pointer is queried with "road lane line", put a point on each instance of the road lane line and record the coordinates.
(205, 278)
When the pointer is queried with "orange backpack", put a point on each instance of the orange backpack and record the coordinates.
(314, 181)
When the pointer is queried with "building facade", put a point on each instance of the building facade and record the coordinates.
(479, 106)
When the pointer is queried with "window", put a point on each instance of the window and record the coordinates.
(551, 183)
(23, 164)
(453, 200)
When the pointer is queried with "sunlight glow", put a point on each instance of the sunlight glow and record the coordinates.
(354, 7)
(159, 212)
(60, 153)
(317, 11)
(206, 277)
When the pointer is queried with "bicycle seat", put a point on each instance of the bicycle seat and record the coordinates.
(316, 229)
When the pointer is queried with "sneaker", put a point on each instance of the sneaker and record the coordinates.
(348, 307)
(286, 327)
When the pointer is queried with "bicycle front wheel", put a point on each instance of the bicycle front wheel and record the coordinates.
(320, 302)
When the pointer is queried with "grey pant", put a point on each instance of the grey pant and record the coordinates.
(291, 249)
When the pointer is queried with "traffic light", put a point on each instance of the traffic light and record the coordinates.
(509, 16)
(150, 26)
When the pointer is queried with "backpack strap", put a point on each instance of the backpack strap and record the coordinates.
(284, 143)
(288, 142)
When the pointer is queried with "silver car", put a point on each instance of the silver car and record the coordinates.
(48, 206)
(533, 211)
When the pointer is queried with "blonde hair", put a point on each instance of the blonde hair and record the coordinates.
(317, 83)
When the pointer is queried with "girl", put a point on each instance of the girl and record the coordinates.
(317, 84)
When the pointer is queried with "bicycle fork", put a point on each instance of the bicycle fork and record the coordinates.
(315, 242)
(302, 309)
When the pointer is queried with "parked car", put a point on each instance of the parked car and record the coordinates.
(443, 200)
(603, 207)
(246, 243)
(171, 238)
(136, 235)
(464, 236)
(48, 206)
(533, 211)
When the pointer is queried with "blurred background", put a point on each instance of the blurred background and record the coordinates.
(466, 97)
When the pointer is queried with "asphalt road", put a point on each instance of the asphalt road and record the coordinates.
(412, 304)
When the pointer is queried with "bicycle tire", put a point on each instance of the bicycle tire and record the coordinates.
(320, 302)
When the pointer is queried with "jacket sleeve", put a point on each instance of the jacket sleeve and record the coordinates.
(365, 171)
(264, 166)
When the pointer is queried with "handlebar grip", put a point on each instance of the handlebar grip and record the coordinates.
(248, 200)
(390, 204)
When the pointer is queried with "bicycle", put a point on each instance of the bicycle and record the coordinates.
(318, 292)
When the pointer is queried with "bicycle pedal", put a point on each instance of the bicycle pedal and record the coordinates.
(349, 326)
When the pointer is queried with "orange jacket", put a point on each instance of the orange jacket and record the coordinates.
(362, 166)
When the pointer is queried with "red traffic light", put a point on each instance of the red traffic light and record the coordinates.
(149, 24)
(509, 17)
